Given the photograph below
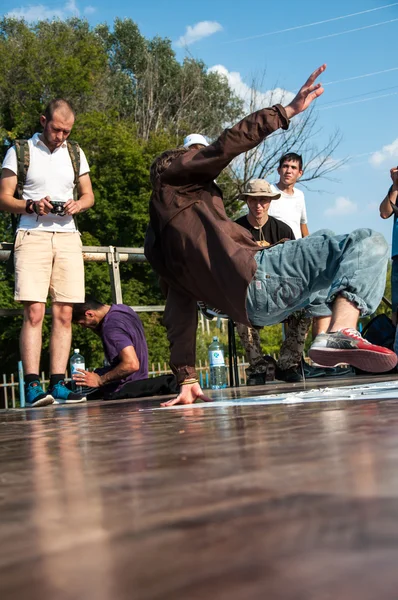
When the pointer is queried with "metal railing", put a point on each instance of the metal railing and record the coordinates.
(113, 256)
(12, 387)
(110, 254)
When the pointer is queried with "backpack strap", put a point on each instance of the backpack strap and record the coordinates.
(23, 160)
(74, 153)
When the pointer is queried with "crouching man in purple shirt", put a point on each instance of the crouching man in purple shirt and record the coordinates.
(123, 339)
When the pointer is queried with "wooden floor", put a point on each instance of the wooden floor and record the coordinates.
(112, 501)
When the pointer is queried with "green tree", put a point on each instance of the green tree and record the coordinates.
(133, 100)
(160, 93)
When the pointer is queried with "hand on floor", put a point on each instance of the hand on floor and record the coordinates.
(188, 395)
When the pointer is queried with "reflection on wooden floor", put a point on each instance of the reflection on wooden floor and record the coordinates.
(107, 501)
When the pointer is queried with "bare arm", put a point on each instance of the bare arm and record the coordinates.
(386, 210)
(8, 185)
(304, 229)
(86, 197)
(129, 364)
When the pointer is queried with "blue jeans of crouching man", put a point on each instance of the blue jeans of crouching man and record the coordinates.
(310, 272)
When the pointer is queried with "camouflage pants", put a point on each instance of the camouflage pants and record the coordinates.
(291, 349)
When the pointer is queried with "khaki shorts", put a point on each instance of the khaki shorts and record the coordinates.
(47, 261)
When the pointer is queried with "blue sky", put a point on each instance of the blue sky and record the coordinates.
(360, 49)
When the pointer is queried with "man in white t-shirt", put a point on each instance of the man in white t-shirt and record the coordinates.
(291, 209)
(48, 248)
(291, 206)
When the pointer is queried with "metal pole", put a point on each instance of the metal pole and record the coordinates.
(114, 274)
(230, 352)
(5, 390)
(236, 371)
(21, 385)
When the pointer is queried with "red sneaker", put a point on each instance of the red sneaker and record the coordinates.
(348, 346)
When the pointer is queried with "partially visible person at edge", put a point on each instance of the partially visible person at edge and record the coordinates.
(389, 207)
(291, 209)
(123, 339)
(268, 231)
(48, 249)
(200, 254)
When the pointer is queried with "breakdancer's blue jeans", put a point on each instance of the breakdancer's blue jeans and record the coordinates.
(310, 272)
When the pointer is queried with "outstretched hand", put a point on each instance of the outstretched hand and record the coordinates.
(306, 94)
(394, 177)
(188, 395)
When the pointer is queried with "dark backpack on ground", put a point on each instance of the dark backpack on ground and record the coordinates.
(380, 331)
(154, 386)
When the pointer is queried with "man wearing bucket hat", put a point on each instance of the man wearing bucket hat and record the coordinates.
(265, 229)
(268, 231)
(200, 254)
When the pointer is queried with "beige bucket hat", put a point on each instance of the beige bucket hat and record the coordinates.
(259, 187)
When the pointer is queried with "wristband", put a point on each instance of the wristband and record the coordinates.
(189, 381)
(29, 207)
(394, 208)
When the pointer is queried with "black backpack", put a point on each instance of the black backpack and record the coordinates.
(23, 161)
(380, 331)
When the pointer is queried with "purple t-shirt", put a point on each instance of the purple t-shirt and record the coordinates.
(122, 327)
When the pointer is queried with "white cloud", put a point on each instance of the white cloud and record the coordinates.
(342, 206)
(261, 99)
(387, 153)
(42, 12)
(38, 12)
(71, 7)
(198, 31)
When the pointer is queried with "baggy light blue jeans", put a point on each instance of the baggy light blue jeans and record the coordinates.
(310, 272)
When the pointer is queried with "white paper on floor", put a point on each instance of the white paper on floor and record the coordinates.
(374, 391)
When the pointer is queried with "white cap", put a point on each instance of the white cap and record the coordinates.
(195, 138)
(76, 350)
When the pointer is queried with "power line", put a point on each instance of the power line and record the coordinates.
(362, 12)
(358, 101)
(364, 75)
(360, 95)
(330, 35)
(361, 76)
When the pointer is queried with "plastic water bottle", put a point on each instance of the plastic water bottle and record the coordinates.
(76, 364)
(218, 373)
